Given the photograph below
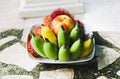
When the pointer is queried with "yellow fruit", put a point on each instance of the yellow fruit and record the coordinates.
(88, 46)
(47, 33)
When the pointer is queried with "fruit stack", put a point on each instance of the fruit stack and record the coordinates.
(60, 37)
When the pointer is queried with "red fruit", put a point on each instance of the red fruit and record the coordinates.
(36, 29)
(29, 37)
(62, 20)
(31, 50)
(60, 11)
(47, 20)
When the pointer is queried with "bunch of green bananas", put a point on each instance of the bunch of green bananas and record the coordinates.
(70, 45)
(44, 48)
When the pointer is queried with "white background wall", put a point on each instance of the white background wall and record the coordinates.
(102, 15)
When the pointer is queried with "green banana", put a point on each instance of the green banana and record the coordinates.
(76, 32)
(50, 49)
(63, 37)
(76, 49)
(37, 44)
(64, 53)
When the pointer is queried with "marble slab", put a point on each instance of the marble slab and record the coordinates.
(63, 73)
(16, 77)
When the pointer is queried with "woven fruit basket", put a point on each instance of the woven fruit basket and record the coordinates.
(61, 39)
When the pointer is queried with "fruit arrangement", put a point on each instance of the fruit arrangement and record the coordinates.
(60, 37)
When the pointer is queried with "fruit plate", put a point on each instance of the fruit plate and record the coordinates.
(49, 61)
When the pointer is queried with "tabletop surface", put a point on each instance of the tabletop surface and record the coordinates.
(105, 64)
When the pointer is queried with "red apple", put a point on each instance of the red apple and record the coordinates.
(62, 20)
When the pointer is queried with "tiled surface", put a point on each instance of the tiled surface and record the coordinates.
(16, 77)
(4, 40)
(118, 73)
(113, 37)
(11, 54)
(15, 54)
(108, 56)
(102, 77)
(64, 73)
